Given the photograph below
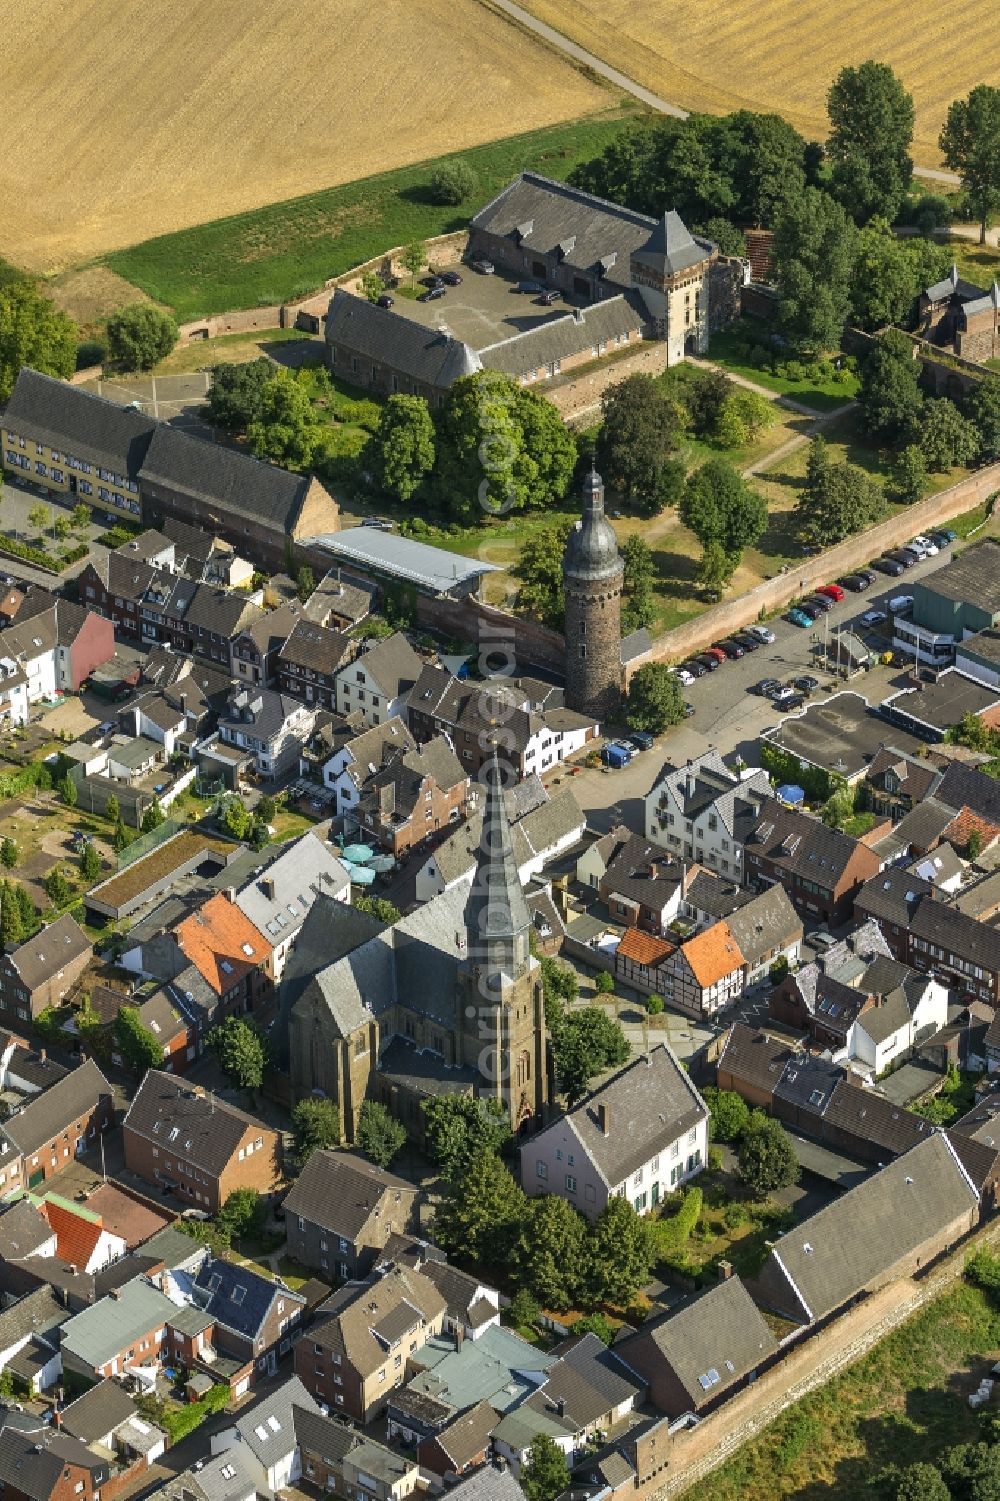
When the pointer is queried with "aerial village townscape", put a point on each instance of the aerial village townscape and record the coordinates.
(499, 752)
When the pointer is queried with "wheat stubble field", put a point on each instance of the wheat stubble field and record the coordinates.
(123, 119)
(782, 55)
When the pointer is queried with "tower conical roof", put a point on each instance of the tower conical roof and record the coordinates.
(497, 922)
(592, 547)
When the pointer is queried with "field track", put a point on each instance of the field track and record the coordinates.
(782, 55)
(124, 119)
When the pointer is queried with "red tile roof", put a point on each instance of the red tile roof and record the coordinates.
(713, 954)
(644, 948)
(76, 1234)
(222, 943)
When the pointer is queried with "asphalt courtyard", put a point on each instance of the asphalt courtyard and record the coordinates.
(483, 310)
(729, 717)
(171, 398)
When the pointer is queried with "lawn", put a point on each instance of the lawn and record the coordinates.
(976, 263)
(293, 1273)
(903, 1402)
(288, 249)
(821, 393)
(731, 1227)
(234, 349)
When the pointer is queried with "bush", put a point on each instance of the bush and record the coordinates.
(453, 183)
(654, 1005)
(39, 558)
(674, 1233)
(140, 335)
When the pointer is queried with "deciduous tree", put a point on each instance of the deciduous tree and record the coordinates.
(638, 436)
(240, 1050)
(138, 1045)
(33, 332)
(909, 474)
(236, 395)
(316, 1124)
(539, 570)
(622, 1250)
(551, 1252)
(871, 128)
(586, 1043)
(380, 1135)
(153, 817)
(243, 1213)
(813, 253)
(766, 1159)
(945, 437)
(140, 336)
(545, 1473)
(404, 445)
(718, 505)
(655, 700)
(730, 1113)
(456, 1127)
(287, 430)
(481, 1213)
(889, 396)
(90, 861)
(57, 888)
(452, 183)
(970, 144)
(982, 407)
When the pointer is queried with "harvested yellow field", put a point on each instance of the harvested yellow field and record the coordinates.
(782, 55)
(123, 119)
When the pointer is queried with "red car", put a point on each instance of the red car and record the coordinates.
(716, 652)
(832, 591)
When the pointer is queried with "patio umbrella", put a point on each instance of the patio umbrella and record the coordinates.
(363, 875)
(790, 793)
(357, 854)
(382, 864)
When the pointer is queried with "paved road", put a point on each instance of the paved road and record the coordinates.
(727, 716)
(628, 85)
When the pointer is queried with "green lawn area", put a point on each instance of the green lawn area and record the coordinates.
(976, 263)
(292, 1273)
(288, 249)
(903, 1402)
(823, 394)
(228, 348)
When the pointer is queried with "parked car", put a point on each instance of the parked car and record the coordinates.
(432, 294)
(773, 689)
(892, 566)
(748, 640)
(794, 701)
(874, 617)
(833, 591)
(806, 683)
(450, 278)
(708, 661)
(868, 575)
(617, 754)
(799, 617)
(765, 633)
(808, 607)
(385, 300)
(926, 545)
(783, 695)
(716, 652)
(529, 288)
(856, 582)
(548, 298)
(904, 556)
(941, 539)
(684, 676)
(765, 686)
(821, 602)
(688, 709)
(694, 668)
(729, 648)
(433, 280)
(642, 740)
(485, 268)
(902, 604)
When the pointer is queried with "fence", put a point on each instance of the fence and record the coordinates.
(181, 784)
(149, 841)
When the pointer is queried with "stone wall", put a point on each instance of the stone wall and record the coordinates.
(775, 594)
(472, 620)
(579, 396)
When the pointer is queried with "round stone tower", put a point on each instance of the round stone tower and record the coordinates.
(592, 574)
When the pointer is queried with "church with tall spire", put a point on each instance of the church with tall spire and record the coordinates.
(448, 1000)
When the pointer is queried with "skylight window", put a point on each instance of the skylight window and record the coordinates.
(239, 1293)
(175, 1131)
(273, 1424)
(228, 1472)
(261, 1432)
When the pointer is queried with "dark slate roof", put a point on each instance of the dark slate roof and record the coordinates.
(424, 1072)
(33, 1464)
(644, 872)
(795, 842)
(39, 1312)
(105, 1407)
(562, 337)
(238, 484)
(972, 576)
(468, 1436)
(719, 897)
(88, 426)
(319, 1435)
(217, 1290)
(651, 1102)
(488, 1484)
(962, 786)
(753, 1057)
(208, 1129)
(869, 1116)
(943, 925)
(915, 778)
(764, 923)
(426, 355)
(832, 1256)
(808, 1082)
(392, 663)
(341, 1192)
(316, 647)
(42, 957)
(710, 1343)
(22, 1230)
(893, 896)
(50, 1112)
(458, 1289)
(270, 1427)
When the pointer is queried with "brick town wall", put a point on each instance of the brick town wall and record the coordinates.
(575, 398)
(472, 620)
(777, 593)
(807, 1365)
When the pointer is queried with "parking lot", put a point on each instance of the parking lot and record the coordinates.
(730, 718)
(483, 310)
(177, 399)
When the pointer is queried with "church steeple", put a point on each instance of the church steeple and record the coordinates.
(496, 915)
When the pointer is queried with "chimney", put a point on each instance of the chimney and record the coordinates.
(604, 1119)
(42, 1055)
(56, 1419)
(561, 1406)
(724, 1270)
(267, 887)
(459, 1337)
(72, 1268)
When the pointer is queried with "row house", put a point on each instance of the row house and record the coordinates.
(956, 948)
(115, 586)
(377, 683)
(821, 869)
(55, 1126)
(642, 885)
(74, 445)
(201, 1147)
(51, 647)
(701, 975)
(337, 603)
(538, 731)
(41, 971)
(125, 1329)
(357, 757)
(195, 618)
(612, 1144)
(270, 726)
(895, 783)
(280, 895)
(231, 954)
(309, 661)
(703, 812)
(236, 1313)
(416, 794)
(256, 648)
